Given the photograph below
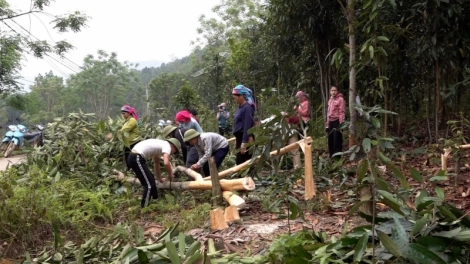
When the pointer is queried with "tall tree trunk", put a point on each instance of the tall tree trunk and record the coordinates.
(437, 99)
(323, 89)
(352, 73)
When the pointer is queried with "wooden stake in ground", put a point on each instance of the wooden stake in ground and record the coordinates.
(218, 219)
(444, 158)
(217, 198)
(309, 180)
(279, 152)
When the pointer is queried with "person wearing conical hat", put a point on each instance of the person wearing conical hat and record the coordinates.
(178, 133)
(156, 149)
(208, 145)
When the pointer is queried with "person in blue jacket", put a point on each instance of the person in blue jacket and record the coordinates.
(243, 120)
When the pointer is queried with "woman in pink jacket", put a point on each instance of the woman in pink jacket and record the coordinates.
(335, 116)
(303, 109)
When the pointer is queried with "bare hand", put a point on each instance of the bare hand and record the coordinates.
(195, 166)
(161, 180)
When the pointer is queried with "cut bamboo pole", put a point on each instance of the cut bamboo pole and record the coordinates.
(279, 152)
(231, 139)
(218, 219)
(446, 154)
(309, 180)
(233, 199)
(217, 198)
(196, 176)
(231, 214)
(241, 184)
(444, 158)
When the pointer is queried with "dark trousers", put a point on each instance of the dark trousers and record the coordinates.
(192, 156)
(224, 131)
(335, 138)
(241, 157)
(219, 156)
(127, 151)
(145, 176)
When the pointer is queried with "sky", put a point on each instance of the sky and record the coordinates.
(139, 30)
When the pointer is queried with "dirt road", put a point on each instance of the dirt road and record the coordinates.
(10, 160)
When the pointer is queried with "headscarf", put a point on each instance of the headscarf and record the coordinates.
(301, 94)
(131, 111)
(183, 116)
(246, 92)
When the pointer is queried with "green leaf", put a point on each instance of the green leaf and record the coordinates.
(389, 244)
(389, 200)
(172, 253)
(416, 175)
(360, 247)
(439, 178)
(371, 51)
(366, 144)
(440, 193)
(422, 255)
(399, 234)
(375, 122)
(399, 175)
(181, 243)
(142, 257)
(435, 244)
(383, 158)
(383, 38)
(362, 170)
(419, 225)
(449, 234)
(193, 248)
(383, 185)
(463, 235)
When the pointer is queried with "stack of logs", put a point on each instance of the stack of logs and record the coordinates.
(224, 188)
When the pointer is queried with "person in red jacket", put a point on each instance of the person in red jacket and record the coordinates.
(335, 117)
(303, 109)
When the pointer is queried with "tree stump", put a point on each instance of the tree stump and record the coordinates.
(217, 219)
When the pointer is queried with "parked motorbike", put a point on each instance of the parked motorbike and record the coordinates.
(15, 136)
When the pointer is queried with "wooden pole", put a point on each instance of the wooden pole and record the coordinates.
(196, 176)
(216, 189)
(279, 152)
(233, 199)
(309, 180)
(241, 184)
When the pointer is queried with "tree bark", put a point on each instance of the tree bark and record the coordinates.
(352, 73)
(217, 198)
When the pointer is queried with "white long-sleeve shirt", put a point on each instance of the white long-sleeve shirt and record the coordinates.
(207, 144)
